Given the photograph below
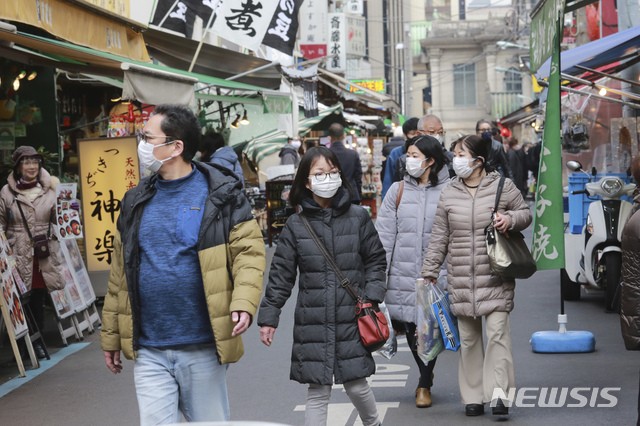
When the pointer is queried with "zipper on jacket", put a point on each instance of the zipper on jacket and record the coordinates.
(473, 252)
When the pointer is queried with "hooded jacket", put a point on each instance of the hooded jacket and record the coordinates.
(326, 343)
(289, 155)
(227, 157)
(232, 260)
(458, 231)
(39, 215)
(630, 295)
(399, 231)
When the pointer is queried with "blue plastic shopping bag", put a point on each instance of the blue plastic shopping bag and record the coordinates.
(446, 321)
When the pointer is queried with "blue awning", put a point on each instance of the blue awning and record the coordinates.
(619, 47)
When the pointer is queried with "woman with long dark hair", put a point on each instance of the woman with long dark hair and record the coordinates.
(326, 344)
(404, 224)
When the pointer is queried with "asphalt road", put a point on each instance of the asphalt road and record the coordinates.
(79, 390)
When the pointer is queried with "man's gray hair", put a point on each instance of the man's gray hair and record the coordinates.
(428, 117)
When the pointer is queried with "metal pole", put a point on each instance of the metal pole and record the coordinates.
(204, 34)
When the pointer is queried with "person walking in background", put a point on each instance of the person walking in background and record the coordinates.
(289, 152)
(186, 276)
(27, 212)
(349, 162)
(497, 157)
(518, 165)
(213, 150)
(431, 125)
(326, 342)
(463, 212)
(393, 170)
(408, 211)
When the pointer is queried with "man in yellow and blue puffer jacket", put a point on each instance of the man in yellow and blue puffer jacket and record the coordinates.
(186, 276)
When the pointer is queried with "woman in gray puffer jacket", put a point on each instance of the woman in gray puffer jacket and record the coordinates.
(404, 224)
(464, 211)
(326, 343)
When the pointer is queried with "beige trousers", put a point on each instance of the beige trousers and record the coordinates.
(481, 370)
(359, 393)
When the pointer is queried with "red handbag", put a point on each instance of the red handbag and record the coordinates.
(372, 324)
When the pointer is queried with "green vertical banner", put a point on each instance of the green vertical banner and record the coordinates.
(548, 224)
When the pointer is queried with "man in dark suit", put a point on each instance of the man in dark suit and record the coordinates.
(349, 161)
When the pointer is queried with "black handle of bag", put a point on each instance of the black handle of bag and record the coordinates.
(489, 230)
(344, 281)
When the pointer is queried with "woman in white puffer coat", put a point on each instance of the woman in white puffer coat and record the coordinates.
(407, 212)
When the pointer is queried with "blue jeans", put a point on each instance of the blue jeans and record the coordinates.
(189, 380)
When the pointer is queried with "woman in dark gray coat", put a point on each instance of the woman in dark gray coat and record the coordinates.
(326, 343)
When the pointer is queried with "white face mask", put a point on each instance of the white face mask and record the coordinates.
(414, 167)
(440, 138)
(146, 157)
(462, 168)
(326, 188)
(296, 143)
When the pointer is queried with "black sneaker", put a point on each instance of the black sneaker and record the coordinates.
(39, 350)
(500, 409)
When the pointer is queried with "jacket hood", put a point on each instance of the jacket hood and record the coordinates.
(226, 153)
(46, 180)
(287, 149)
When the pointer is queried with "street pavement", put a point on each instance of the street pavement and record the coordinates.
(75, 388)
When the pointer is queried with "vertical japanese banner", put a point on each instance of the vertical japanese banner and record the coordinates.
(337, 43)
(108, 168)
(548, 236)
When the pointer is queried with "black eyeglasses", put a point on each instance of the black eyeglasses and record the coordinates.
(321, 177)
(142, 137)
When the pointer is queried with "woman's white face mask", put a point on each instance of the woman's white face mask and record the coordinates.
(462, 168)
(415, 167)
(325, 187)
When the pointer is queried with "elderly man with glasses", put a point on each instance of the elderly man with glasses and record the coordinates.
(186, 276)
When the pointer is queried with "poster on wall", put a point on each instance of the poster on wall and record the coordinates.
(108, 168)
(68, 211)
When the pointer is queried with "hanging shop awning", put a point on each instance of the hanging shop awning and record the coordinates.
(343, 85)
(30, 48)
(80, 25)
(522, 115)
(609, 54)
(178, 52)
(269, 143)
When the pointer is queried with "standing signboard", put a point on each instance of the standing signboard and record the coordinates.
(13, 315)
(108, 169)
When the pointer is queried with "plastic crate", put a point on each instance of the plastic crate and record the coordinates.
(579, 203)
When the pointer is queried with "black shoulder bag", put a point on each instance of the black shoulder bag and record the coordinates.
(372, 323)
(40, 242)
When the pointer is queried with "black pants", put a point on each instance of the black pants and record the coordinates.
(426, 370)
(36, 304)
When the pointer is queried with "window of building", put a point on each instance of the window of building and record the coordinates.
(513, 81)
(464, 85)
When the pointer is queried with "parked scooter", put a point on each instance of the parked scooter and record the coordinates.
(593, 258)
